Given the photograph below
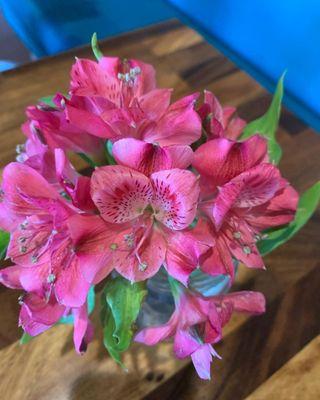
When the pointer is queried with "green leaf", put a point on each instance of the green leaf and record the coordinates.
(68, 319)
(48, 100)
(108, 152)
(95, 47)
(87, 159)
(25, 338)
(267, 124)
(4, 241)
(121, 302)
(307, 205)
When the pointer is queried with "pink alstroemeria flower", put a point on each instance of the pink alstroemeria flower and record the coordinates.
(112, 78)
(55, 131)
(110, 84)
(197, 323)
(39, 314)
(160, 135)
(132, 111)
(242, 196)
(40, 243)
(138, 216)
(36, 154)
(76, 186)
(157, 133)
(220, 121)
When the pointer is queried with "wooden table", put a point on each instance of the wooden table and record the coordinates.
(275, 356)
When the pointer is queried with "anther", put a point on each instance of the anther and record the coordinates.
(20, 148)
(51, 278)
(20, 299)
(24, 225)
(246, 250)
(237, 235)
(34, 259)
(142, 266)
(23, 249)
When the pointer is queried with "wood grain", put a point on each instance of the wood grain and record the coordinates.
(298, 379)
(258, 353)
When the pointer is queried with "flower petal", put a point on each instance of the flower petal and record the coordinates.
(21, 184)
(92, 238)
(235, 128)
(249, 189)
(42, 310)
(120, 194)
(222, 159)
(70, 286)
(10, 277)
(155, 103)
(83, 329)
(180, 124)
(34, 279)
(246, 301)
(148, 158)
(184, 252)
(139, 253)
(185, 344)
(155, 334)
(278, 211)
(87, 121)
(175, 197)
(202, 359)
(90, 78)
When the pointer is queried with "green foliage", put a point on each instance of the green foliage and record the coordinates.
(87, 159)
(4, 241)
(121, 303)
(48, 100)
(95, 47)
(307, 205)
(108, 152)
(267, 124)
(25, 338)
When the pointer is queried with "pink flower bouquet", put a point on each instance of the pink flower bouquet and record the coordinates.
(183, 186)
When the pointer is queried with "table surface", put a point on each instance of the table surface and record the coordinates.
(272, 356)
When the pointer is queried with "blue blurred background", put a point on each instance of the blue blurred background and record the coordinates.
(262, 37)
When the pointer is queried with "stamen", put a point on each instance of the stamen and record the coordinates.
(23, 249)
(129, 239)
(20, 148)
(21, 158)
(257, 237)
(51, 278)
(237, 235)
(246, 250)
(22, 239)
(129, 77)
(34, 259)
(142, 266)
(20, 299)
(23, 225)
(113, 246)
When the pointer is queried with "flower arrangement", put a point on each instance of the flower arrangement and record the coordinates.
(185, 187)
